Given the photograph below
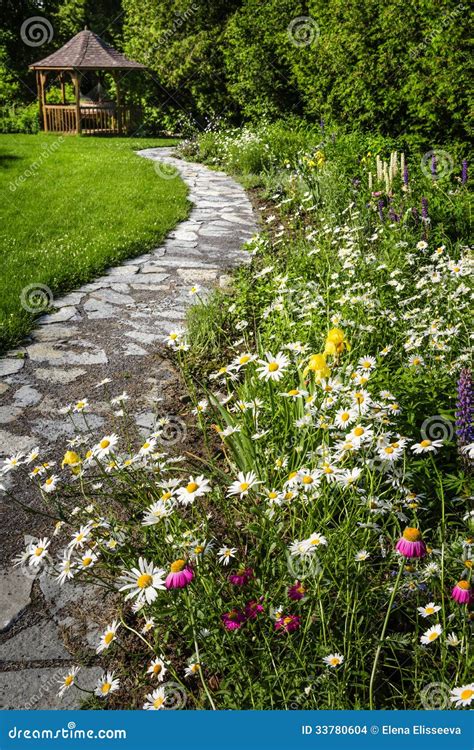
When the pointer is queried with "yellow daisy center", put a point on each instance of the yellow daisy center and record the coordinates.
(425, 443)
(157, 668)
(307, 480)
(466, 694)
(244, 486)
(144, 581)
(109, 637)
(433, 636)
(243, 360)
(359, 431)
(411, 535)
(293, 392)
(86, 561)
(39, 551)
(104, 443)
(192, 487)
(177, 566)
(69, 680)
(345, 416)
(106, 687)
(273, 367)
(198, 549)
(158, 702)
(334, 661)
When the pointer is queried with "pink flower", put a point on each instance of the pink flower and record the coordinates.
(233, 620)
(297, 591)
(411, 543)
(462, 592)
(242, 577)
(179, 576)
(253, 609)
(288, 623)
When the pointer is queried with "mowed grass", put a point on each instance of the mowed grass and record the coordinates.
(70, 209)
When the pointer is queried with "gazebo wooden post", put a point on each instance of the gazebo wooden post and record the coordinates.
(42, 99)
(63, 88)
(116, 76)
(77, 89)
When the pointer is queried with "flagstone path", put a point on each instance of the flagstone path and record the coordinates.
(113, 328)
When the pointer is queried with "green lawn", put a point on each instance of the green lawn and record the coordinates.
(70, 209)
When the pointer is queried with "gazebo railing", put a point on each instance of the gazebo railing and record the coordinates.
(62, 118)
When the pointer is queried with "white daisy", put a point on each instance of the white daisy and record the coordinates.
(155, 700)
(108, 636)
(333, 660)
(143, 582)
(107, 684)
(38, 551)
(243, 484)
(427, 446)
(50, 484)
(463, 696)
(105, 446)
(225, 554)
(68, 680)
(157, 669)
(430, 635)
(429, 609)
(196, 487)
(273, 367)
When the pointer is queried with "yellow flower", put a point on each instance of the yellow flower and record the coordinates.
(336, 342)
(71, 459)
(317, 364)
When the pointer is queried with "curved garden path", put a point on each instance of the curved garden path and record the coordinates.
(111, 328)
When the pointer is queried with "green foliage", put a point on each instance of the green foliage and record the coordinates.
(19, 119)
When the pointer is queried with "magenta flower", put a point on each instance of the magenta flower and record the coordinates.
(180, 575)
(242, 577)
(297, 591)
(233, 620)
(288, 623)
(462, 592)
(411, 544)
(253, 609)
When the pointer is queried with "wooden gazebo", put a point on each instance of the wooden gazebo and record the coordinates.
(84, 53)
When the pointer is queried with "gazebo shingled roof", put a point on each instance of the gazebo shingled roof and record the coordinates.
(86, 51)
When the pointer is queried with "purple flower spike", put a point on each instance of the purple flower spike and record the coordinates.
(465, 409)
(464, 172)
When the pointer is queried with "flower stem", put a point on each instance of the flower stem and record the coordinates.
(382, 637)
